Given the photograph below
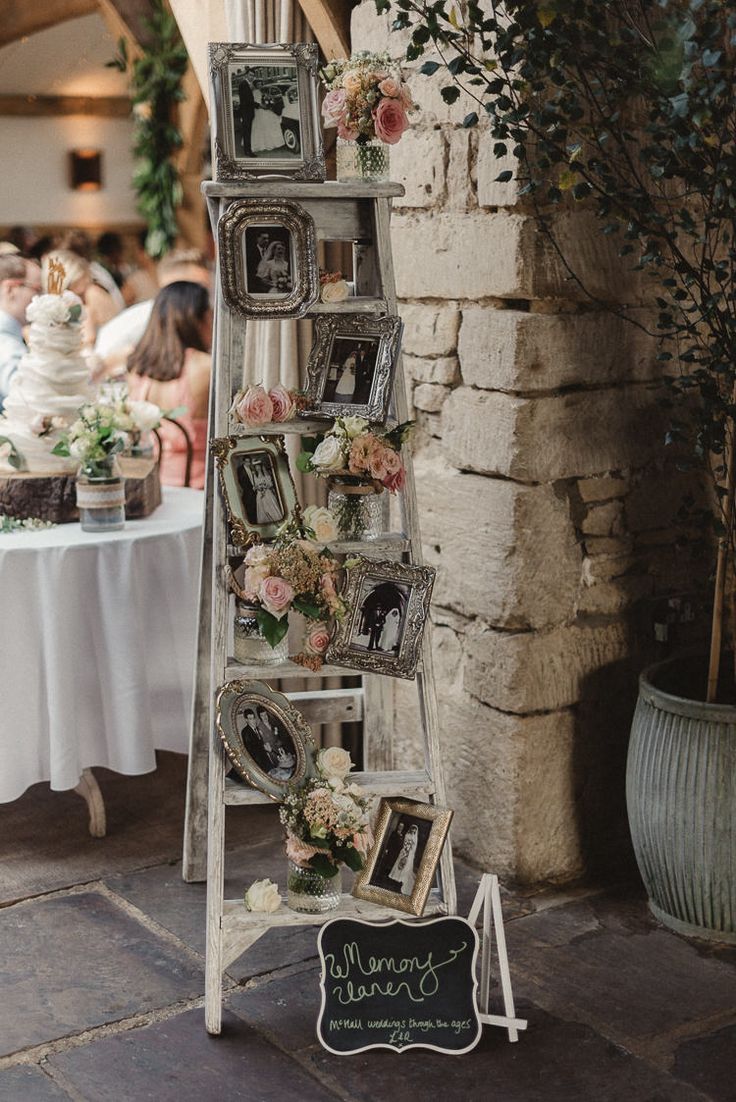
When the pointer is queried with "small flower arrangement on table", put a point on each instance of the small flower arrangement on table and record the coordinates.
(327, 820)
(257, 406)
(99, 434)
(366, 99)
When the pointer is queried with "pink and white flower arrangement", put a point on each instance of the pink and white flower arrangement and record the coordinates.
(333, 288)
(354, 453)
(366, 99)
(257, 406)
(327, 819)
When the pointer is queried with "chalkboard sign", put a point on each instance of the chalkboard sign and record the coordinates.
(398, 985)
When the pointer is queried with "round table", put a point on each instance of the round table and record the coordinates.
(97, 647)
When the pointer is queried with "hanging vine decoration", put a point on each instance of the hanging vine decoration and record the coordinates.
(156, 87)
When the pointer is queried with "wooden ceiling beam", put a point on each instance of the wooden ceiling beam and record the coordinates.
(21, 18)
(330, 21)
(129, 17)
(33, 106)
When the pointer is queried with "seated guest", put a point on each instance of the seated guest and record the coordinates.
(171, 366)
(20, 280)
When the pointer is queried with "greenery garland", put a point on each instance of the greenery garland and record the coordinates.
(156, 86)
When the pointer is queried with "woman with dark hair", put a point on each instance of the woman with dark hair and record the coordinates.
(171, 366)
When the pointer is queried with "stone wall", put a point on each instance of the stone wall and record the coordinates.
(547, 506)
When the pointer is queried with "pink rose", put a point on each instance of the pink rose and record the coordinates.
(392, 461)
(333, 106)
(255, 407)
(389, 87)
(347, 133)
(390, 121)
(361, 452)
(282, 402)
(275, 595)
(395, 482)
(297, 851)
(379, 468)
(317, 640)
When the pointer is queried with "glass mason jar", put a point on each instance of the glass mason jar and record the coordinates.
(311, 893)
(101, 499)
(249, 645)
(358, 510)
(362, 161)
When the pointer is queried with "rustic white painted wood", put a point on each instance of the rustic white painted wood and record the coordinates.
(416, 785)
(488, 897)
(89, 790)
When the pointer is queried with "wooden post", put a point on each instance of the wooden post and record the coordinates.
(719, 592)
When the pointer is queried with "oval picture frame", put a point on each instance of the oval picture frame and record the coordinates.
(255, 751)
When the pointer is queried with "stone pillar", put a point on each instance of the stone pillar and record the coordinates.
(545, 505)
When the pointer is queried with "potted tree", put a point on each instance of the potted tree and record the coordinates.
(627, 107)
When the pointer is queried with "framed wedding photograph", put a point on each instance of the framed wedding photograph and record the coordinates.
(268, 258)
(388, 604)
(265, 111)
(400, 867)
(268, 741)
(256, 484)
(351, 366)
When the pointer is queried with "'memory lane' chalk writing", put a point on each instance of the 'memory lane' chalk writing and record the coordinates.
(364, 979)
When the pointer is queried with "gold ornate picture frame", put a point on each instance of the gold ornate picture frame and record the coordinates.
(401, 865)
(265, 111)
(256, 483)
(388, 606)
(267, 740)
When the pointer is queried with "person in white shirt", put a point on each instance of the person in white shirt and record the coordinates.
(20, 280)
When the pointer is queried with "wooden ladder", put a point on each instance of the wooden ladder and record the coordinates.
(357, 213)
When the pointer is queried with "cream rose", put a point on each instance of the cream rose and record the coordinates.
(317, 640)
(255, 407)
(282, 403)
(335, 291)
(328, 455)
(263, 895)
(354, 426)
(253, 578)
(275, 594)
(352, 83)
(334, 763)
(145, 415)
(322, 523)
(390, 87)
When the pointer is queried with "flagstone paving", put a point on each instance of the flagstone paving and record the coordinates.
(101, 992)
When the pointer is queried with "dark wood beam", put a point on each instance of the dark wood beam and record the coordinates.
(21, 18)
(330, 21)
(31, 106)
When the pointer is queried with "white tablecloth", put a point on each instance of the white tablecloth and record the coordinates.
(97, 645)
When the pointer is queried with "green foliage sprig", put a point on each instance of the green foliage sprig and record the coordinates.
(156, 86)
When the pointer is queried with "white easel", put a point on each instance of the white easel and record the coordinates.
(488, 897)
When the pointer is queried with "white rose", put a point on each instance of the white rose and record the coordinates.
(52, 309)
(328, 455)
(79, 447)
(354, 426)
(334, 763)
(263, 895)
(322, 523)
(145, 415)
(336, 291)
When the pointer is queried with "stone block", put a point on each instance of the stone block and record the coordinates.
(519, 351)
(429, 330)
(602, 488)
(525, 672)
(371, 31)
(547, 438)
(443, 369)
(431, 109)
(483, 534)
(613, 597)
(604, 520)
(424, 148)
(491, 193)
(457, 255)
(461, 175)
(430, 397)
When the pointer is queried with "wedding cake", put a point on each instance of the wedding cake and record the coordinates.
(50, 385)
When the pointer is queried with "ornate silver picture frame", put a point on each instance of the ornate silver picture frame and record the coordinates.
(268, 258)
(265, 111)
(256, 484)
(351, 366)
(267, 740)
(388, 605)
(400, 868)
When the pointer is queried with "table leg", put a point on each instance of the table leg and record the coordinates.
(89, 790)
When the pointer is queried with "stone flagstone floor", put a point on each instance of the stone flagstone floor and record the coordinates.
(102, 989)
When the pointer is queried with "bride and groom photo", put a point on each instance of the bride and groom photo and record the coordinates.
(379, 624)
(401, 854)
(350, 372)
(259, 491)
(267, 743)
(267, 261)
(266, 121)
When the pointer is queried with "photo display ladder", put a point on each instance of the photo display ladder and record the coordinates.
(356, 213)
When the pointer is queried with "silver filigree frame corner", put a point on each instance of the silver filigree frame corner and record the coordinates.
(404, 663)
(229, 698)
(226, 164)
(414, 904)
(231, 228)
(225, 449)
(327, 329)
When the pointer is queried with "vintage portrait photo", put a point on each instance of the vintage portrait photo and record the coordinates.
(351, 370)
(268, 261)
(382, 611)
(266, 111)
(267, 741)
(401, 866)
(259, 489)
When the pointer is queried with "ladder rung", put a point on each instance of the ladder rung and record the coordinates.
(390, 543)
(297, 189)
(358, 304)
(329, 705)
(286, 669)
(234, 913)
(389, 783)
(304, 425)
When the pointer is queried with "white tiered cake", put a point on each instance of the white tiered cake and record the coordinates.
(50, 385)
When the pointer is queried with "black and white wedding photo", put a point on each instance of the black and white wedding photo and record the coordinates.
(351, 370)
(379, 624)
(266, 112)
(267, 742)
(401, 854)
(267, 261)
(259, 489)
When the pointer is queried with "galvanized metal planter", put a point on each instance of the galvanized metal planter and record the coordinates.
(681, 796)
